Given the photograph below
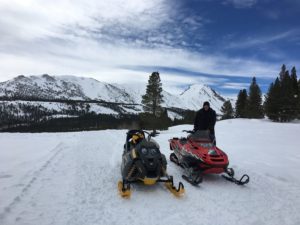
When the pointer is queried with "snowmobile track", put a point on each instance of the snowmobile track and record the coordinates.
(28, 186)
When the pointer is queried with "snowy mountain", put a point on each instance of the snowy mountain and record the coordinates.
(196, 94)
(192, 98)
(52, 88)
(71, 178)
(63, 87)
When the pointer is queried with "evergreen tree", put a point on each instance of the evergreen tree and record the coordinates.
(282, 101)
(255, 109)
(295, 100)
(298, 97)
(282, 72)
(241, 104)
(287, 98)
(153, 97)
(272, 103)
(165, 120)
(227, 110)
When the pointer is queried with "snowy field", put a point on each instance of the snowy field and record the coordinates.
(71, 178)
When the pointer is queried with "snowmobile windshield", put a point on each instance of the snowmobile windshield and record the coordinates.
(147, 144)
(205, 145)
(200, 135)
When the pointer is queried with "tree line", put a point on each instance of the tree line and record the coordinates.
(282, 101)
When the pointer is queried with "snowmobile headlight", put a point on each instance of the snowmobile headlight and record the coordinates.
(153, 151)
(212, 152)
(144, 151)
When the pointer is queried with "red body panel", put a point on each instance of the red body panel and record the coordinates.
(211, 159)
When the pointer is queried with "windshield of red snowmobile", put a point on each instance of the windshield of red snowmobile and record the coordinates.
(205, 145)
(200, 135)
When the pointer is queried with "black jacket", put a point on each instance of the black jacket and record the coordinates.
(205, 120)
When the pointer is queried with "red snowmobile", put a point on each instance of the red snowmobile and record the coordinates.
(198, 155)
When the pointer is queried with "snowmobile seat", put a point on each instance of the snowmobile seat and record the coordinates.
(133, 137)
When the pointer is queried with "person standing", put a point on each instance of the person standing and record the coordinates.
(206, 119)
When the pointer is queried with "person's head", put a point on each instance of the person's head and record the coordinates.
(206, 106)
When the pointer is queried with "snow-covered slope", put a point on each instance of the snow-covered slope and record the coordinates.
(196, 94)
(71, 178)
(63, 87)
(80, 88)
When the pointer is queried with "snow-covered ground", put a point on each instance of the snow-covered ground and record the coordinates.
(71, 178)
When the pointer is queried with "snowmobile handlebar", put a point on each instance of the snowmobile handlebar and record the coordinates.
(151, 134)
(189, 131)
(193, 131)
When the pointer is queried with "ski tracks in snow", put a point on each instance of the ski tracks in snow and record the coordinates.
(36, 182)
(74, 185)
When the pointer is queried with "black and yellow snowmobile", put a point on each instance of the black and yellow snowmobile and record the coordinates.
(143, 162)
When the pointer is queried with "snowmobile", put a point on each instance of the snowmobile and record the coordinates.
(143, 162)
(198, 155)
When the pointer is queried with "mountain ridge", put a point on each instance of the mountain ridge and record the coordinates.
(68, 88)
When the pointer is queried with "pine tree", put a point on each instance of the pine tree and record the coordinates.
(272, 103)
(282, 101)
(298, 97)
(241, 104)
(153, 98)
(227, 110)
(164, 119)
(287, 97)
(282, 72)
(295, 89)
(255, 109)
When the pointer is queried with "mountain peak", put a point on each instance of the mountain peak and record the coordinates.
(194, 87)
(68, 87)
(48, 77)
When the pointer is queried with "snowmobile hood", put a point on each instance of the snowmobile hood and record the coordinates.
(206, 148)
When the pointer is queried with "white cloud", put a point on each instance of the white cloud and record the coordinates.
(241, 3)
(235, 86)
(34, 19)
(88, 56)
(101, 39)
(262, 40)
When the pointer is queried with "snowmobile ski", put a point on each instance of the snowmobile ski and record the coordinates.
(243, 180)
(177, 192)
(194, 182)
(124, 190)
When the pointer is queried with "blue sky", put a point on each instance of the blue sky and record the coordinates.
(222, 43)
